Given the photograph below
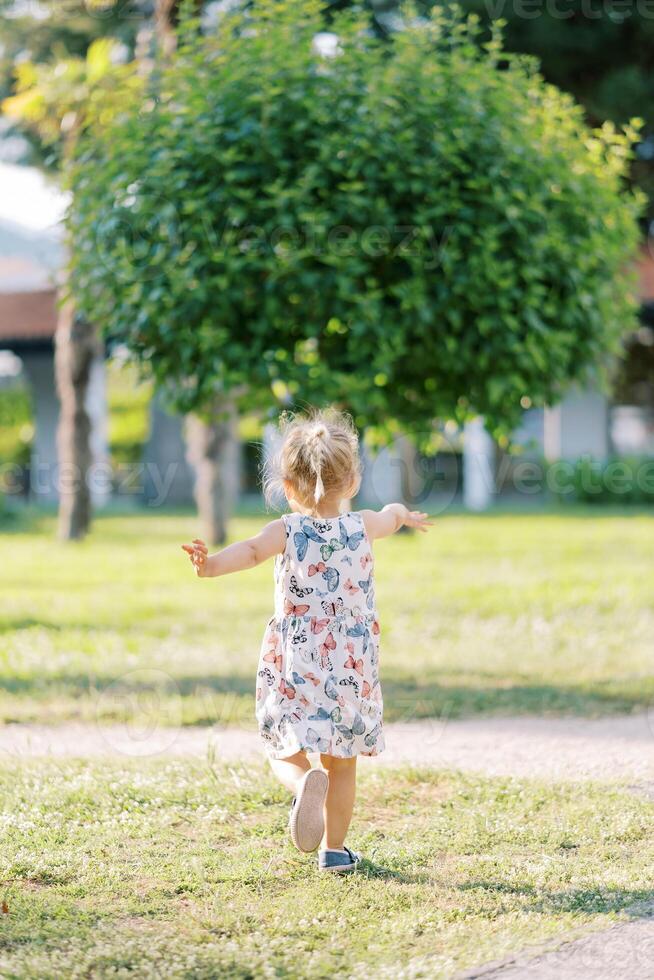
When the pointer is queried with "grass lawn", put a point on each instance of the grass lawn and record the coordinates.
(185, 870)
(548, 613)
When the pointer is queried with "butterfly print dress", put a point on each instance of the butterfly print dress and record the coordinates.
(317, 682)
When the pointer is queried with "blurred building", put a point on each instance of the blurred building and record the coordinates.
(31, 254)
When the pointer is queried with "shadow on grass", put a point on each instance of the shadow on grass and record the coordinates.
(368, 869)
(637, 903)
(405, 700)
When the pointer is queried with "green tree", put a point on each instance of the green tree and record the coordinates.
(416, 228)
(51, 32)
(54, 101)
(55, 67)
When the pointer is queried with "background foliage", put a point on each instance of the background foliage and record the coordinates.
(416, 228)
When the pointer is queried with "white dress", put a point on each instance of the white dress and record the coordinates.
(317, 682)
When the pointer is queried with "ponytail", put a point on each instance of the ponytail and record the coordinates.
(316, 450)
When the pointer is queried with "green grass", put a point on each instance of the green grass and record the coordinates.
(500, 614)
(184, 870)
(16, 427)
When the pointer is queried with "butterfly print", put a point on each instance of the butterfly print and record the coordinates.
(333, 608)
(343, 541)
(267, 674)
(323, 528)
(325, 649)
(354, 664)
(375, 628)
(291, 610)
(318, 625)
(297, 678)
(302, 537)
(351, 541)
(286, 690)
(358, 727)
(344, 681)
(314, 569)
(331, 690)
(365, 561)
(365, 689)
(314, 740)
(274, 658)
(299, 637)
(312, 677)
(300, 593)
(321, 714)
(350, 587)
(372, 735)
(327, 550)
(332, 577)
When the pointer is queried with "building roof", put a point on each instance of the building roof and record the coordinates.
(27, 319)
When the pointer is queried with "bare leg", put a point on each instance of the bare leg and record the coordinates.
(340, 799)
(291, 769)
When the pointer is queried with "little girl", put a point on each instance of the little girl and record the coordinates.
(318, 685)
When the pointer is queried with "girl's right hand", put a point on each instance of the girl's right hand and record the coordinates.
(198, 553)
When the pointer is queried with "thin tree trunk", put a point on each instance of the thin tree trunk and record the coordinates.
(164, 25)
(76, 345)
(166, 18)
(212, 453)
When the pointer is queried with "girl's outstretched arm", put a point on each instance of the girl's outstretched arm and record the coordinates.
(243, 554)
(381, 523)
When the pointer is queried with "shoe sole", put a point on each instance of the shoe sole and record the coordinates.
(339, 869)
(307, 823)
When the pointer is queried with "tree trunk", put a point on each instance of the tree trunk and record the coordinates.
(164, 25)
(212, 452)
(166, 19)
(76, 344)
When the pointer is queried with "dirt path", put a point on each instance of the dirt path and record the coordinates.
(625, 950)
(556, 748)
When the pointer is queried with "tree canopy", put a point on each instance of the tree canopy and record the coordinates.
(413, 228)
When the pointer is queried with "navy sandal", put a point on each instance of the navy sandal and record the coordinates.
(340, 862)
(306, 821)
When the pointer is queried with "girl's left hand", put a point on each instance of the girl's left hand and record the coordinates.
(417, 519)
(198, 553)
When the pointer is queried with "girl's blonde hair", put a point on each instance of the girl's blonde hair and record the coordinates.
(318, 456)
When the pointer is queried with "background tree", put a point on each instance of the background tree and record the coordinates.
(51, 69)
(53, 101)
(58, 31)
(416, 228)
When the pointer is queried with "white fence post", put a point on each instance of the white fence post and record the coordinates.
(478, 466)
